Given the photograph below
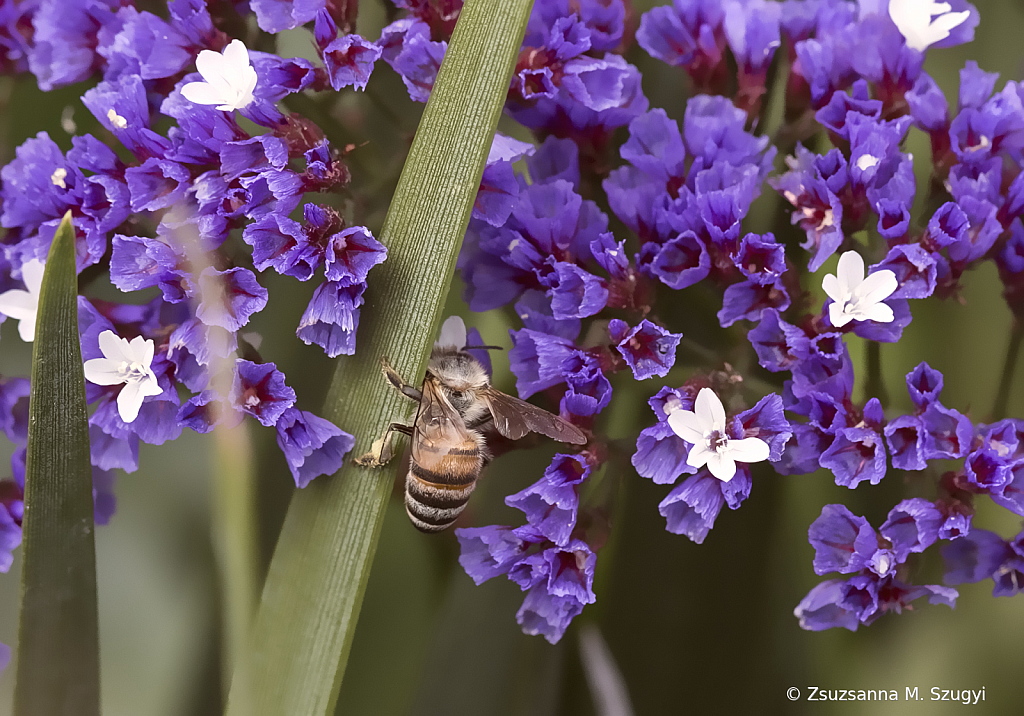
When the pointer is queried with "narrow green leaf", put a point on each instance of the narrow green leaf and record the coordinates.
(58, 635)
(311, 598)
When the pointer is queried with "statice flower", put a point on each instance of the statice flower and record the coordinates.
(856, 298)
(228, 78)
(694, 436)
(925, 22)
(848, 544)
(128, 363)
(545, 557)
(985, 555)
(21, 305)
(704, 427)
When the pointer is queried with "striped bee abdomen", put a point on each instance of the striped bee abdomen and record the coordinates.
(434, 498)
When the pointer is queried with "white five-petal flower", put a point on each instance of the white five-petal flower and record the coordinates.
(856, 298)
(228, 77)
(22, 305)
(125, 362)
(924, 22)
(705, 427)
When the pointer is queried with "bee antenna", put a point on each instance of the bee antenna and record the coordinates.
(483, 348)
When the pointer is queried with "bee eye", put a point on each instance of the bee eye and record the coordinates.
(457, 394)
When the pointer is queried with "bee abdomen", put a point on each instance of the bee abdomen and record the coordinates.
(434, 506)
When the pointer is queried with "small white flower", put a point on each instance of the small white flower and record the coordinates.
(22, 305)
(705, 427)
(856, 298)
(125, 362)
(119, 122)
(228, 77)
(924, 22)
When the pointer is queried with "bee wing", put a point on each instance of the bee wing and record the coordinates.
(514, 418)
(438, 430)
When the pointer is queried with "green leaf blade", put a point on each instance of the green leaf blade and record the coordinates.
(317, 578)
(58, 633)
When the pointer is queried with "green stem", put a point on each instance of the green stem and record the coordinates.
(303, 630)
(1009, 364)
(874, 387)
(235, 540)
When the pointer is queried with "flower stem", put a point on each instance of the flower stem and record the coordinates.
(875, 385)
(1009, 364)
(303, 629)
(235, 539)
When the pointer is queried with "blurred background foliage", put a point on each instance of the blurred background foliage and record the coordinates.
(692, 628)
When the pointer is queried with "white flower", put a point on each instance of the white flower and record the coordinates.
(856, 298)
(22, 305)
(229, 78)
(705, 427)
(924, 22)
(128, 363)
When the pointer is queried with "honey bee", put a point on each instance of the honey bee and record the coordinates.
(449, 449)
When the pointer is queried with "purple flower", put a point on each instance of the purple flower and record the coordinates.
(349, 61)
(847, 544)
(137, 262)
(205, 411)
(912, 526)
(560, 582)
(856, 454)
(682, 261)
(351, 253)
(12, 510)
(749, 299)
(276, 15)
(230, 297)
(648, 349)
(948, 432)
(311, 445)
(259, 390)
(488, 552)
(536, 360)
(779, 345)
(660, 453)
(692, 507)
(551, 503)
(588, 391)
(905, 437)
(332, 317)
(985, 555)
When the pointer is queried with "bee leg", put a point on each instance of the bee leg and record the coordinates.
(380, 452)
(398, 382)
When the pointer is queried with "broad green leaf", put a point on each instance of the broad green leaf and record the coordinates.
(58, 636)
(314, 588)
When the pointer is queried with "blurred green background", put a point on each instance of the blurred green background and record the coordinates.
(692, 628)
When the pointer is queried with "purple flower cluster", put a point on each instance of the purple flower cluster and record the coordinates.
(539, 240)
(848, 544)
(164, 215)
(661, 454)
(167, 210)
(544, 557)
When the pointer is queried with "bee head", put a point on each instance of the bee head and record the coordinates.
(460, 376)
